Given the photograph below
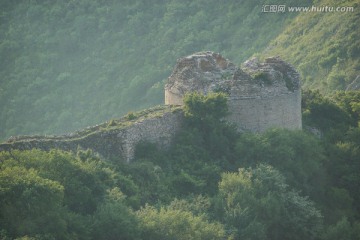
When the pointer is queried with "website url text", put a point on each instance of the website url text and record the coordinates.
(284, 8)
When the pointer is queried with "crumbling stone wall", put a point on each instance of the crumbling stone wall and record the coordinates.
(200, 72)
(261, 94)
(160, 131)
(260, 113)
(116, 143)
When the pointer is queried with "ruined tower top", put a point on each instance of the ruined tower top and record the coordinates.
(208, 72)
(261, 95)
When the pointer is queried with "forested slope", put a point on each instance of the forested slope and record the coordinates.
(68, 64)
(323, 46)
(213, 183)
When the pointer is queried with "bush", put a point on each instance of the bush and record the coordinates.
(177, 224)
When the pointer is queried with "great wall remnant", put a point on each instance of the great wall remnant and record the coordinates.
(115, 141)
(262, 95)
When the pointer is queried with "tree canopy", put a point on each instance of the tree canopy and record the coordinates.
(212, 183)
(65, 65)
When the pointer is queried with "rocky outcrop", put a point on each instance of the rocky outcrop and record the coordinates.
(261, 94)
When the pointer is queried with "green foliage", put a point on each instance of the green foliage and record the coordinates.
(194, 162)
(208, 137)
(323, 49)
(205, 111)
(72, 174)
(349, 101)
(343, 230)
(259, 205)
(114, 220)
(56, 195)
(343, 167)
(290, 184)
(30, 204)
(299, 156)
(169, 223)
(198, 205)
(263, 77)
(205, 117)
(149, 181)
(130, 116)
(321, 112)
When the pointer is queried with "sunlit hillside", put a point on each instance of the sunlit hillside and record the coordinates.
(323, 46)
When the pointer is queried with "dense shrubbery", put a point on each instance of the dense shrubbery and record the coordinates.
(210, 185)
(259, 205)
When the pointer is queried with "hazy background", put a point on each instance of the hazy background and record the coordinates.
(68, 64)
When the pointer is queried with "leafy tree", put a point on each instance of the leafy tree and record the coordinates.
(204, 111)
(259, 205)
(321, 112)
(30, 204)
(198, 205)
(114, 220)
(298, 155)
(350, 102)
(343, 168)
(176, 224)
(56, 195)
(343, 230)
(206, 114)
(81, 180)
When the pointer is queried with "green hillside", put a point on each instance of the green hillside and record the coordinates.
(68, 64)
(324, 47)
(212, 183)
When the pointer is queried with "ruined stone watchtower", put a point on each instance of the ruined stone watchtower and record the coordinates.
(261, 94)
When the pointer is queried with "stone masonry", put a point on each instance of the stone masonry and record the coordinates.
(261, 95)
(117, 143)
